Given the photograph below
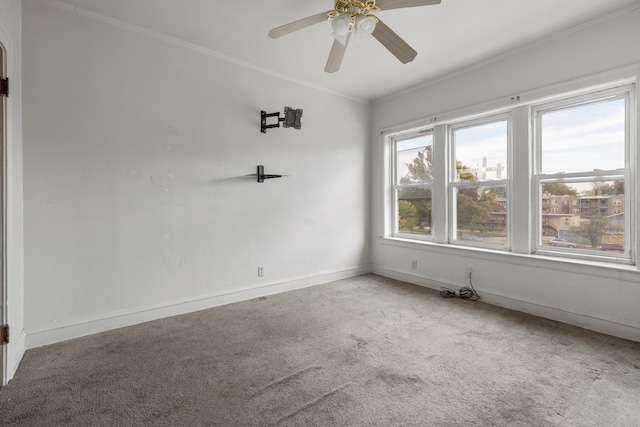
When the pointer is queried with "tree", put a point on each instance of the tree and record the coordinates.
(593, 229)
(420, 172)
(407, 215)
(420, 199)
(421, 169)
(474, 204)
(559, 189)
(464, 173)
(608, 189)
(474, 207)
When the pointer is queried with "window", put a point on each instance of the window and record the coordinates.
(479, 187)
(583, 151)
(454, 183)
(413, 184)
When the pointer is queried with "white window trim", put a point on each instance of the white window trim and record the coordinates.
(453, 185)
(522, 212)
(394, 230)
(618, 91)
(598, 176)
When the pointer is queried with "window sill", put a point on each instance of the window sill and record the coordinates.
(604, 269)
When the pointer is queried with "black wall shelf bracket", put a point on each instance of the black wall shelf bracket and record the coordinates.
(262, 176)
(292, 119)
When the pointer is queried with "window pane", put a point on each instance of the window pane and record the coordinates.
(414, 210)
(481, 152)
(481, 214)
(587, 215)
(414, 159)
(584, 138)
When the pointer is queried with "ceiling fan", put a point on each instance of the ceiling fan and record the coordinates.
(355, 19)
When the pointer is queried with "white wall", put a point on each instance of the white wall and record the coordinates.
(136, 204)
(597, 297)
(10, 38)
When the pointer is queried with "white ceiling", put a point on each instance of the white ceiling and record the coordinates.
(449, 36)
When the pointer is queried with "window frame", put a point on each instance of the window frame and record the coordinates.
(453, 186)
(523, 192)
(625, 92)
(396, 187)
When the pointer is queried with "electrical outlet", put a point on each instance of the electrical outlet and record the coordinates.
(414, 264)
(260, 271)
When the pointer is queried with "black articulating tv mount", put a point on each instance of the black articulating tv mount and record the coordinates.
(292, 119)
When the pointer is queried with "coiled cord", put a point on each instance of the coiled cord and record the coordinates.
(465, 292)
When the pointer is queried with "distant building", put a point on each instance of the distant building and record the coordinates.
(584, 206)
(556, 224)
(601, 206)
(562, 214)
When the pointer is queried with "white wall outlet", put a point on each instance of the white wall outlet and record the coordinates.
(260, 271)
(414, 264)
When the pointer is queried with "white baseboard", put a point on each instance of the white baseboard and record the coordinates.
(609, 326)
(93, 325)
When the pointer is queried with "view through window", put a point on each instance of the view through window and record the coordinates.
(414, 184)
(454, 183)
(583, 175)
(480, 185)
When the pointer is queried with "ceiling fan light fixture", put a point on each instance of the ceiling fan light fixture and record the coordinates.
(365, 25)
(341, 25)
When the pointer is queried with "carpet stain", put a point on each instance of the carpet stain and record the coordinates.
(395, 380)
(360, 342)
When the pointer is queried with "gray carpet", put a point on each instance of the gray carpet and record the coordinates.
(367, 351)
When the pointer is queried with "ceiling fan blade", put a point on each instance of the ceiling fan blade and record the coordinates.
(336, 55)
(397, 4)
(394, 43)
(298, 25)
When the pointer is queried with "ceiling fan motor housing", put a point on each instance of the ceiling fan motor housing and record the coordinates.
(357, 7)
(354, 9)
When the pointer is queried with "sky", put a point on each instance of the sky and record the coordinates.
(473, 144)
(584, 138)
(579, 139)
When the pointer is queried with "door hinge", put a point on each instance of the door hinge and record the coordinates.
(5, 334)
(4, 86)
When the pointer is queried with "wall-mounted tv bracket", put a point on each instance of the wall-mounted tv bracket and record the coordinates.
(262, 176)
(4, 86)
(292, 119)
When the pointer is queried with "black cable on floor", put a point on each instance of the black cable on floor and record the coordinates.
(464, 293)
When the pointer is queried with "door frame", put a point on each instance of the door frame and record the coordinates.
(3, 228)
